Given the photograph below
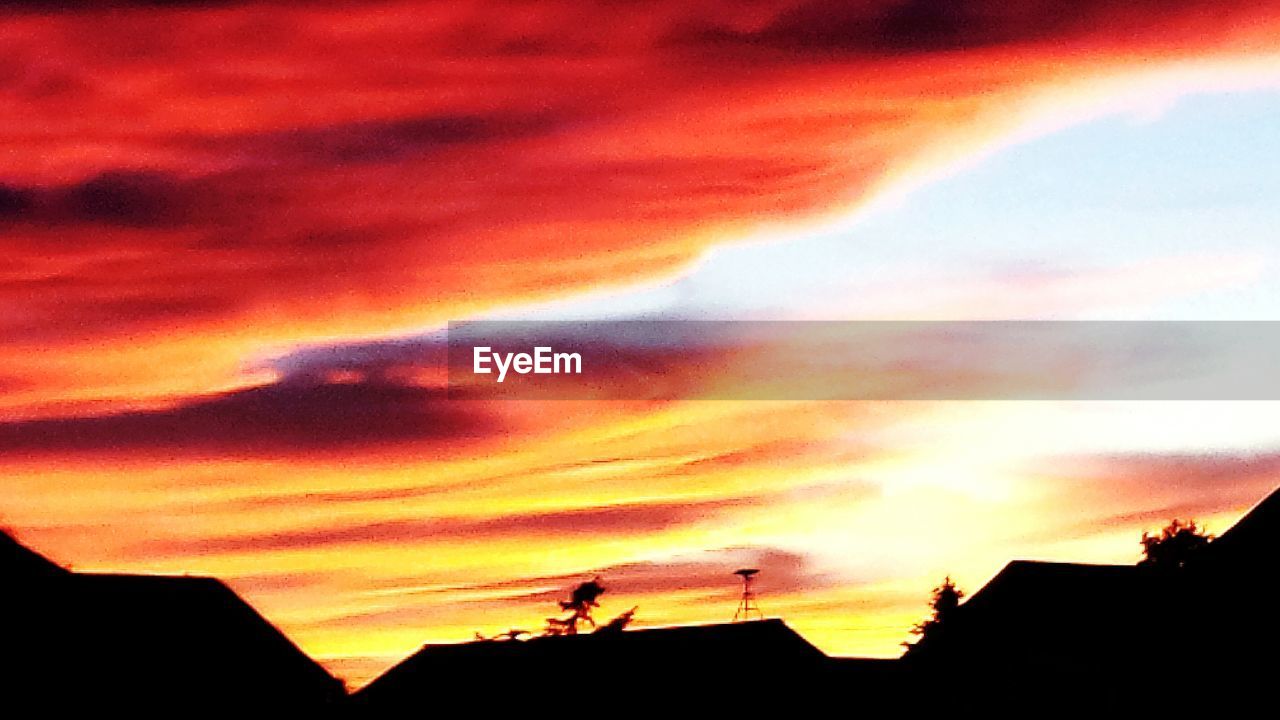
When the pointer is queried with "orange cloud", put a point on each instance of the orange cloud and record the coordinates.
(1127, 491)
(180, 188)
(191, 189)
(562, 526)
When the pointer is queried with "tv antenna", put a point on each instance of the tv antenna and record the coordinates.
(747, 605)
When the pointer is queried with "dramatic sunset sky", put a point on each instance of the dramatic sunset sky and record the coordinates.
(229, 230)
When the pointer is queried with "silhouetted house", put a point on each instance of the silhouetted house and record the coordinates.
(18, 563)
(1232, 591)
(1251, 546)
(1035, 617)
(1127, 625)
(640, 666)
(137, 642)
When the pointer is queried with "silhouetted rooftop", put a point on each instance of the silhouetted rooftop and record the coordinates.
(1254, 538)
(18, 561)
(668, 656)
(1085, 617)
(1028, 582)
(114, 640)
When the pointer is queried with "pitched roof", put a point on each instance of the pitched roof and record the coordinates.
(1254, 539)
(1045, 614)
(148, 640)
(667, 655)
(1035, 586)
(18, 561)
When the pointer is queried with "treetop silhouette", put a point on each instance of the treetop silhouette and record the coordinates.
(943, 602)
(1174, 545)
(584, 598)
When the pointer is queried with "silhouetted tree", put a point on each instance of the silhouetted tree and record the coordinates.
(943, 602)
(1174, 545)
(583, 598)
(619, 623)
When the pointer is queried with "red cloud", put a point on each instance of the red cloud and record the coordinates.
(189, 186)
(308, 172)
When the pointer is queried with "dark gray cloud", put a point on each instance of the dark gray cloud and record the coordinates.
(280, 419)
(923, 26)
(15, 201)
(384, 140)
(122, 198)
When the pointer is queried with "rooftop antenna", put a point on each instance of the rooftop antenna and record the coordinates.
(747, 605)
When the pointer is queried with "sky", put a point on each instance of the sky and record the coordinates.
(230, 229)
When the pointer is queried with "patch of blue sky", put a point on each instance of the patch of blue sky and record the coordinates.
(1191, 191)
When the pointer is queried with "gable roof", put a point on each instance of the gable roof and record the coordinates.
(148, 641)
(648, 656)
(1255, 538)
(17, 561)
(1048, 614)
(1037, 586)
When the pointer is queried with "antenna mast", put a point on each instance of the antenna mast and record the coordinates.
(747, 605)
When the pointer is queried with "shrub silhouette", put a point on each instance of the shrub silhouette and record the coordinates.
(1174, 545)
(580, 603)
(619, 623)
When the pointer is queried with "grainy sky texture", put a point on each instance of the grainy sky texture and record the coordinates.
(222, 225)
